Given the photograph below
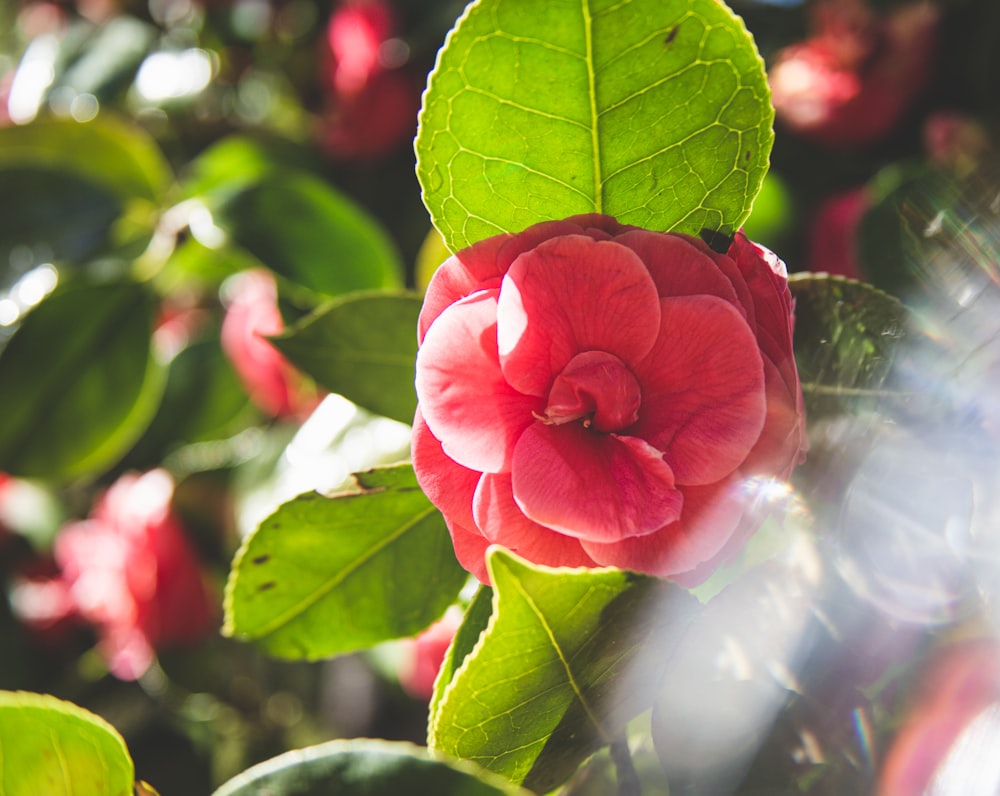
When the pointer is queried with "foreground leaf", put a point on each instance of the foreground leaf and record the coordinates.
(52, 747)
(78, 383)
(653, 111)
(324, 576)
(847, 335)
(363, 348)
(364, 768)
(568, 658)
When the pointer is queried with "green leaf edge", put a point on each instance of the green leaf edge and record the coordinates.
(308, 753)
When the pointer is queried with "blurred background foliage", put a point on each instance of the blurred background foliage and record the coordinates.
(178, 175)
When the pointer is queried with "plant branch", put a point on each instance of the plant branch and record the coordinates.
(628, 780)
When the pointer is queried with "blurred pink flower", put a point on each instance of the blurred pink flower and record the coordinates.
(252, 314)
(132, 573)
(833, 234)
(594, 394)
(953, 727)
(852, 81)
(372, 102)
(424, 654)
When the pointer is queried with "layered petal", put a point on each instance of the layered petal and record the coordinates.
(601, 487)
(569, 295)
(712, 514)
(448, 485)
(464, 398)
(502, 522)
(703, 389)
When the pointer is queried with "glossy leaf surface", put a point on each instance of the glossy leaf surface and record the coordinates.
(655, 112)
(323, 576)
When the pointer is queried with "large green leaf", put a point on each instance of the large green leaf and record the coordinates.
(568, 658)
(653, 111)
(56, 216)
(847, 335)
(52, 747)
(323, 576)
(365, 768)
(109, 152)
(363, 347)
(78, 383)
(312, 235)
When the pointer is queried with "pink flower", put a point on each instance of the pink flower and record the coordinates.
(134, 576)
(251, 315)
(851, 82)
(592, 394)
(372, 103)
(834, 233)
(424, 655)
(951, 731)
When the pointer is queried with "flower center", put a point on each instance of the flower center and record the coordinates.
(598, 389)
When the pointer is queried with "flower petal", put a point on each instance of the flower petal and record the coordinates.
(703, 389)
(711, 516)
(502, 522)
(448, 485)
(463, 396)
(568, 295)
(588, 485)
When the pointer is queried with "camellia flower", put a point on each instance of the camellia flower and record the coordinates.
(133, 575)
(423, 655)
(834, 232)
(852, 81)
(251, 315)
(593, 394)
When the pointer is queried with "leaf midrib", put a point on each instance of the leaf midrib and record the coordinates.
(588, 35)
(299, 608)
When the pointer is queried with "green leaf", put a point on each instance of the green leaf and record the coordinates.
(474, 622)
(110, 152)
(57, 216)
(846, 337)
(655, 112)
(78, 383)
(57, 748)
(568, 658)
(363, 347)
(312, 235)
(324, 576)
(365, 768)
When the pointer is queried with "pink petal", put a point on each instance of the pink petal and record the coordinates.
(782, 442)
(448, 485)
(463, 396)
(470, 550)
(710, 517)
(502, 522)
(680, 265)
(590, 485)
(569, 295)
(597, 387)
(703, 389)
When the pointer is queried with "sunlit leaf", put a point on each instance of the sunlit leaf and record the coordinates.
(655, 112)
(78, 383)
(568, 658)
(52, 747)
(323, 576)
(363, 347)
(847, 334)
(109, 152)
(312, 235)
(365, 768)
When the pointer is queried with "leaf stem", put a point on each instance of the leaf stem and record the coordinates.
(628, 779)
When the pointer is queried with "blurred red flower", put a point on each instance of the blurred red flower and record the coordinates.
(833, 234)
(852, 81)
(132, 574)
(252, 314)
(372, 102)
(424, 655)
